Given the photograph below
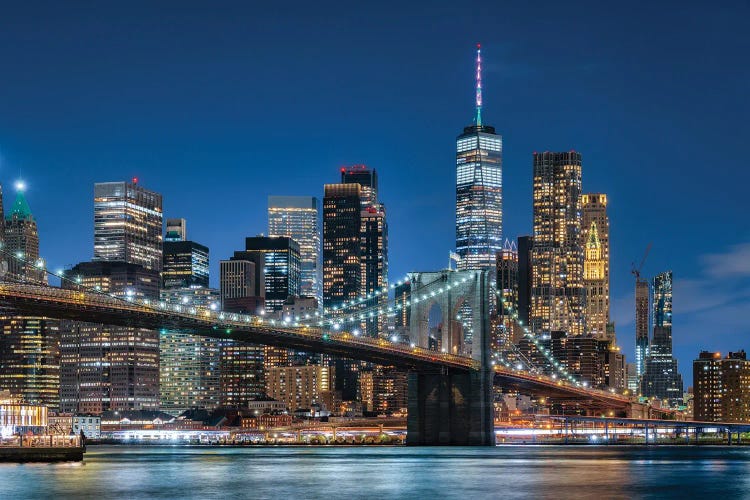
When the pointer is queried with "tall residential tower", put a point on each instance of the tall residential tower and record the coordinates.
(661, 379)
(557, 293)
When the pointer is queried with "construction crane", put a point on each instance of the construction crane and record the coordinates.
(636, 271)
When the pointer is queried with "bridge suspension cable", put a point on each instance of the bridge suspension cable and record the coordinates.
(384, 308)
(527, 333)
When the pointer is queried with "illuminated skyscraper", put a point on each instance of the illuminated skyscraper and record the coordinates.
(721, 387)
(661, 379)
(280, 259)
(107, 367)
(297, 217)
(557, 293)
(641, 326)
(355, 256)
(114, 367)
(300, 387)
(479, 191)
(342, 249)
(128, 224)
(30, 359)
(188, 364)
(373, 242)
(507, 288)
(29, 346)
(595, 226)
(22, 242)
(185, 264)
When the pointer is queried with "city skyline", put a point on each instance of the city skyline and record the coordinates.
(696, 262)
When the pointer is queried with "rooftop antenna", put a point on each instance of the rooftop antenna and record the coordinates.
(479, 86)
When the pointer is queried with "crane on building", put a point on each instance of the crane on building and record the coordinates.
(636, 271)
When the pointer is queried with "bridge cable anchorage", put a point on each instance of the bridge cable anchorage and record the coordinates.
(222, 319)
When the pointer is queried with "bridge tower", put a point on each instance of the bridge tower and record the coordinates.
(452, 408)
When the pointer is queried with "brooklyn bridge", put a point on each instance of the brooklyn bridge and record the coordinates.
(450, 398)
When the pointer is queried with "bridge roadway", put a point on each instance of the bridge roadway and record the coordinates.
(559, 390)
(95, 307)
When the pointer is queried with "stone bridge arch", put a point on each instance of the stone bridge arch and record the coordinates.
(470, 288)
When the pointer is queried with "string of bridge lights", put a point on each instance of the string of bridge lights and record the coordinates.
(336, 309)
(337, 323)
(40, 265)
(376, 311)
(555, 364)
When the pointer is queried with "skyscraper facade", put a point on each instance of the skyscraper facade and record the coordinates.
(507, 291)
(297, 217)
(342, 251)
(22, 243)
(128, 224)
(355, 257)
(525, 244)
(185, 264)
(721, 387)
(241, 373)
(300, 387)
(242, 286)
(479, 191)
(280, 259)
(30, 359)
(188, 364)
(595, 227)
(661, 379)
(109, 367)
(558, 293)
(642, 297)
(373, 242)
(29, 346)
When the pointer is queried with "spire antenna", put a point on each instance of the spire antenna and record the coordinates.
(479, 86)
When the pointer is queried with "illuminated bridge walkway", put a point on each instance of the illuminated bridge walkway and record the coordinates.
(99, 308)
(450, 395)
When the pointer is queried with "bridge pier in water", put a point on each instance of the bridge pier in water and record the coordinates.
(451, 409)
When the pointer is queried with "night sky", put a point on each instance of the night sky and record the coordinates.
(219, 105)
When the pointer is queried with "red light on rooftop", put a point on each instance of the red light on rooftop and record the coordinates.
(343, 169)
(135, 180)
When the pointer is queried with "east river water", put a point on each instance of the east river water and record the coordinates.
(153, 472)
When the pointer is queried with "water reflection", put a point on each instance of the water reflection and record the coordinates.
(510, 472)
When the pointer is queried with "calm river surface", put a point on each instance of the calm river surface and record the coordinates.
(428, 473)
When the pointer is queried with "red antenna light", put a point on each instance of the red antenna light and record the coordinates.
(135, 180)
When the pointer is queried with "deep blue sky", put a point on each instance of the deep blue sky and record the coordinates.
(219, 105)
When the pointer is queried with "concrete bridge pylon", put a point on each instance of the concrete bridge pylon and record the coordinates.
(447, 408)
